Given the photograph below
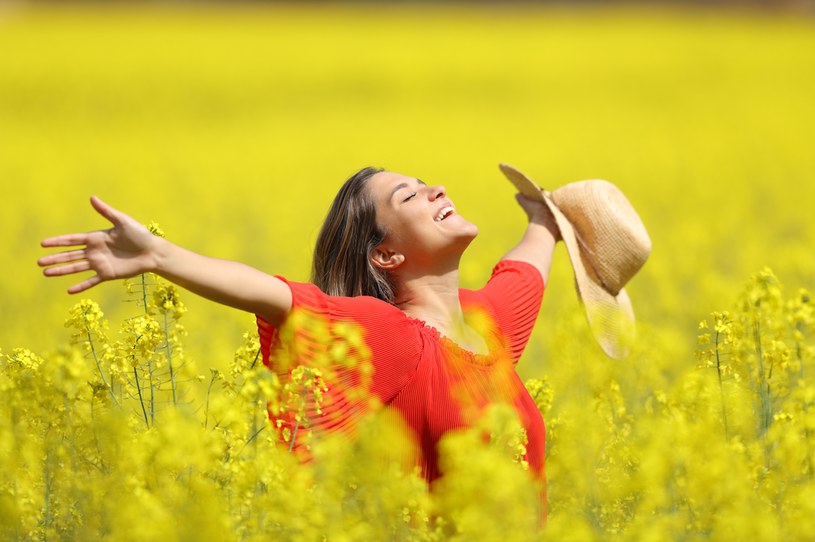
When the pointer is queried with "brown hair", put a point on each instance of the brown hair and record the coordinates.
(342, 256)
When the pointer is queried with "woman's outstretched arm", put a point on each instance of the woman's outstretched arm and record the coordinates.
(128, 249)
(537, 246)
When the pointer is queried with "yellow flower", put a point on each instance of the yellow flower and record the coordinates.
(86, 317)
(166, 299)
(155, 229)
(144, 336)
(24, 358)
(541, 392)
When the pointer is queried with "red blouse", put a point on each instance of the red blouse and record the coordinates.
(436, 385)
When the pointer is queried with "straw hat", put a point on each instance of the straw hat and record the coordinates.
(607, 244)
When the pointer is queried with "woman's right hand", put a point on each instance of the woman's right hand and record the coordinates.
(125, 250)
(128, 249)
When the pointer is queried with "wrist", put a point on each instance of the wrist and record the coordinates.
(545, 218)
(159, 254)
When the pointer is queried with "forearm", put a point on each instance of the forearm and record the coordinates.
(537, 245)
(223, 281)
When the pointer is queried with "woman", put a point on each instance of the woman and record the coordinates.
(387, 260)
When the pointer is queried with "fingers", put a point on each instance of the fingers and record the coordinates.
(76, 267)
(105, 210)
(84, 285)
(528, 204)
(75, 262)
(61, 257)
(68, 240)
(75, 239)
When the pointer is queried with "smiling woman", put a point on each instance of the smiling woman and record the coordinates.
(426, 235)
(386, 263)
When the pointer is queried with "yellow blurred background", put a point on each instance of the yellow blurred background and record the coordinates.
(233, 127)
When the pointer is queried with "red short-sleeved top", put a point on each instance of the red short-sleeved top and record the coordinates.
(435, 385)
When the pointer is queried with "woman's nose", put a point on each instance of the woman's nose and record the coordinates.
(436, 192)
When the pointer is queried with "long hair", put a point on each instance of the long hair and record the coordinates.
(342, 256)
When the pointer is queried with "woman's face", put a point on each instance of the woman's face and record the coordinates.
(421, 223)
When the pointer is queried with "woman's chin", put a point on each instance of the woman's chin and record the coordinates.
(468, 233)
(471, 229)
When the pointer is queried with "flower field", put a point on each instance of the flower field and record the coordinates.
(139, 411)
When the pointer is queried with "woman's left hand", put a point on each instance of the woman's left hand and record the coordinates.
(538, 243)
(539, 213)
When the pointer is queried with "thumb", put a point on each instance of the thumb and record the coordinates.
(106, 210)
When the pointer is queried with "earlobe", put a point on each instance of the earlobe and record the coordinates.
(386, 259)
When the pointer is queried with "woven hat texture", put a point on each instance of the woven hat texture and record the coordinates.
(607, 245)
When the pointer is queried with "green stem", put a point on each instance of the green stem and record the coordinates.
(152, 392)
(721, 387)
(149, 362)
(297, 424)
(206, 409)
(144, 292)
(255, 434)
(294, 435)
(141, 398)
(763, 385)
(99, 368)
(169, 349)
(249, 441)
(96, 439)
(764, 392)
(255, 414)
(47, 495)
(800, 328)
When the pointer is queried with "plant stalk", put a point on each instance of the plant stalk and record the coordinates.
(721, 387)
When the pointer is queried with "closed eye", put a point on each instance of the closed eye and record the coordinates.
(409, 197)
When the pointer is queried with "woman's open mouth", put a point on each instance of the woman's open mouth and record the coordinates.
(445, 211)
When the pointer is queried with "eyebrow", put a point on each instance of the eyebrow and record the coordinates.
(400, 186)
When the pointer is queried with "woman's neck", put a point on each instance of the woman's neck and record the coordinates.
(433, 298)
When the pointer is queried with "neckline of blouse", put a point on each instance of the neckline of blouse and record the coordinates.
(467, 355)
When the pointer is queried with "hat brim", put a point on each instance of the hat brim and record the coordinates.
(610, 317)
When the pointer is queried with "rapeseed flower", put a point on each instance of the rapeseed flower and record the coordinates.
(621, 461)
(165, 298)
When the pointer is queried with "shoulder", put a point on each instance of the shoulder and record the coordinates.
(318, 317)
(508, 279)
(387, 329)
(517, 271)
(308, 296)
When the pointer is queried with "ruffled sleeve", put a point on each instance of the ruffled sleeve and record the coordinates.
(513, 298)
(364, 348)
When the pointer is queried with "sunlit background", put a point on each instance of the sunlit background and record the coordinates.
(232, 126)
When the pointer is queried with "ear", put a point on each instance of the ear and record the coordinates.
(386, 259)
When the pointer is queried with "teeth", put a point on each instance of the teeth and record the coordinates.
(445, 212)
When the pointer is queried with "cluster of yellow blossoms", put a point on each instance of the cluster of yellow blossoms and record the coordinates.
(123, 439)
